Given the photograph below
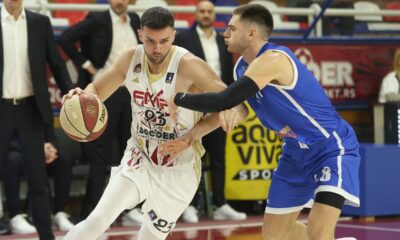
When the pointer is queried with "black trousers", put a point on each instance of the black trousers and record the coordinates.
(12, 174)
(100, 152)
(214, 144)
(60, 169)
(26, 122)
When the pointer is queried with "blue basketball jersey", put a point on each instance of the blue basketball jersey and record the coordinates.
(304, 116)
(301, 111)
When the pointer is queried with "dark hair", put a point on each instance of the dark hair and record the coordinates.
(255, 13)
(156, 18)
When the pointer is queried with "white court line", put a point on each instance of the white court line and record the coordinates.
(368, 227)
(193, 228)
(210, 227)
(205, 227)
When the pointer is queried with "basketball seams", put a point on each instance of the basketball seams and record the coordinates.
(90, 111)
(83, 117)
(101, 122)
(73, 126)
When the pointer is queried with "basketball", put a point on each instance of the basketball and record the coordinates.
(83, 117)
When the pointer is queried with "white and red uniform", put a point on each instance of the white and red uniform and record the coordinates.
(166, 184)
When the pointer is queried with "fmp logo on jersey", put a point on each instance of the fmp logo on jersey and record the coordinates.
(169, 77)
(147, 99)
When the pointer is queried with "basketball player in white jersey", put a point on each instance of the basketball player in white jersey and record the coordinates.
(165, 181)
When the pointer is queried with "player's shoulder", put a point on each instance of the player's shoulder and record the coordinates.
(273, 56)
(128, 54)
(124, 60)
(189, 59)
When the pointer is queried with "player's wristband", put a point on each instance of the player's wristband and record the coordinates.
(235, 94)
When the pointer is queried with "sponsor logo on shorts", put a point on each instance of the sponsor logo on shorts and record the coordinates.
(152, 215)
(159, 223)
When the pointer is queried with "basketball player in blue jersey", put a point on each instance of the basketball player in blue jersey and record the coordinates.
(320, 157)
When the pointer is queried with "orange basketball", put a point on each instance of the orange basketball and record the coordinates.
(83, 117)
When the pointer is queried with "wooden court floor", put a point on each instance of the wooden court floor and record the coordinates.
(250, 229)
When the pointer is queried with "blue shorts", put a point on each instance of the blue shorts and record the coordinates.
(329, 166)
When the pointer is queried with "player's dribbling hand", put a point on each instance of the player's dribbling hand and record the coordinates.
(174, 147)
(71, 93)
(229, 119)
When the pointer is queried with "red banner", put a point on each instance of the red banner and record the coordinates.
(347, 72)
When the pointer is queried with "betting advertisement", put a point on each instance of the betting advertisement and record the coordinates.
(347, 72)
(252, 153)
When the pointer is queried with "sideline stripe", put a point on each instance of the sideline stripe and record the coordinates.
(385, 229)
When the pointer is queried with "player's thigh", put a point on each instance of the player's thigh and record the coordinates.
(322, 221)
(169, 197)
(290, 190)
(276, 226)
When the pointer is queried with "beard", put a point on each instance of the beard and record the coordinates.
(156, 60)
(119, 9)
(236, 48)
(204, 24)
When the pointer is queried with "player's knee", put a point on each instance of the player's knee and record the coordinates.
(319, 232)
(271, 234)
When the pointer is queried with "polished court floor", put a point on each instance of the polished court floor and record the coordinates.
(380, 229)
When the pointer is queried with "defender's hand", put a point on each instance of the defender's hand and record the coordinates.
(229, 119)
(174, 147)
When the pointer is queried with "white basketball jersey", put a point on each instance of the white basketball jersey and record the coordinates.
(151, 121)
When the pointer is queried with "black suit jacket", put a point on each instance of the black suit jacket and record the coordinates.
(95, 37)
(42, 50)
(191, 41)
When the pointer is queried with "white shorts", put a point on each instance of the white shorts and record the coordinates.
(166, 192)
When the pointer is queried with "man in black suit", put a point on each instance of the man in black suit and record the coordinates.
(102, 37)
(27, 45)
(203, 41)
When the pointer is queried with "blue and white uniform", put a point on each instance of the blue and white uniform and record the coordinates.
(320, 151)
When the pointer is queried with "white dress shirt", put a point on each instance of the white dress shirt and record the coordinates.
(210, 49)
(390, 84)
(123, 38)
(17, 82)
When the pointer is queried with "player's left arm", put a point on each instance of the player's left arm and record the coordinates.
(108, 81)
(270, 66)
